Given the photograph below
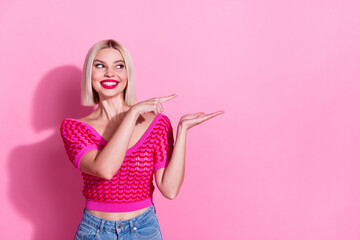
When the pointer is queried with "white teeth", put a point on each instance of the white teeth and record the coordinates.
(109, 83)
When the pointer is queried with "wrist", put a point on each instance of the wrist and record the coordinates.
(133, 113)
(181, 129)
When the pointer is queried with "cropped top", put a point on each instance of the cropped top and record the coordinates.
(132, 186)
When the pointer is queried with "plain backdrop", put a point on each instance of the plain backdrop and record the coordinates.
(282, 162)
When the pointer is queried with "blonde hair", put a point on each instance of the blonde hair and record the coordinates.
(89, 97)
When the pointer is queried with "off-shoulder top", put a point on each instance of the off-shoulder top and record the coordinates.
(132, 187)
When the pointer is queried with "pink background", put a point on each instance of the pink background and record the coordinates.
(282, 163)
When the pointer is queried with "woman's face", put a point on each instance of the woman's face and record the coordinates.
(109, 77)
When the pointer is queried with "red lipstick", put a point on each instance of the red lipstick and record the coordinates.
(109, 83)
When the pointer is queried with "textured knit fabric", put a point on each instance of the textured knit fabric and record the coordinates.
(132, 187)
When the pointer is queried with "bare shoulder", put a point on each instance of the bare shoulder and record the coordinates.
(147, 118)
(87, 119)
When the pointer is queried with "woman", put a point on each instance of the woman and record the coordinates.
(120, 145)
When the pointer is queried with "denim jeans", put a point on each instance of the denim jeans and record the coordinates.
(143, 226)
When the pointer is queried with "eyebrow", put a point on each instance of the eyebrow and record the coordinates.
(97, 60)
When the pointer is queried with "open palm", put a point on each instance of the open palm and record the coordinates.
(190, 120)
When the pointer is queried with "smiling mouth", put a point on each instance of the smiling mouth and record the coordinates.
(109, 84)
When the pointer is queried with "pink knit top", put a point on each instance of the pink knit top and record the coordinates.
(132, 187)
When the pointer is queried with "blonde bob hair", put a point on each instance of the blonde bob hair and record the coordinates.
(89, 97)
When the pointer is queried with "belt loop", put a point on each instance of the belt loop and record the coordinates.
(118, 227)
(131, 226)
(154, 208)
(102, 226)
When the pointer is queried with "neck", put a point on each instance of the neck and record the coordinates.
(112, 109)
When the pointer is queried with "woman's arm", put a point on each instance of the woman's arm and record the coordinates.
(106, 163)
(170, 179)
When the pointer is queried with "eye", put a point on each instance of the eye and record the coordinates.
(99, 65)
(120, 66)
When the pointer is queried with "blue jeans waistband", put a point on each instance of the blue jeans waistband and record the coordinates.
(109, 225)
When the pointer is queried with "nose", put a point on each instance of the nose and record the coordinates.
(109, 73)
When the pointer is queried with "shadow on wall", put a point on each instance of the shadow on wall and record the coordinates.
(44, 186)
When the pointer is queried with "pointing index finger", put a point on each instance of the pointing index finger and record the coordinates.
(164, 99)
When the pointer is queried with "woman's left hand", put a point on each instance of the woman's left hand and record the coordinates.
(190, 120)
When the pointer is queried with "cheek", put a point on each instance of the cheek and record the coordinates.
(94, 86)
(123, 75)
(95, 73)
(125, 78)
(95, 77)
